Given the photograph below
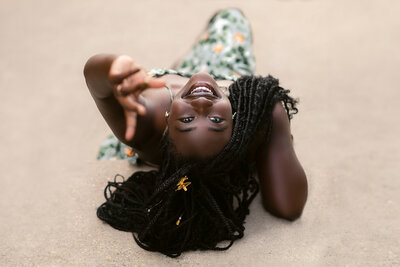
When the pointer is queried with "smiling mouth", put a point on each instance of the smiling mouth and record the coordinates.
(201, 89)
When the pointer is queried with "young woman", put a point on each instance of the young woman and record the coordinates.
(210, 126)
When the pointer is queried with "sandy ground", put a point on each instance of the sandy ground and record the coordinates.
(341, 58)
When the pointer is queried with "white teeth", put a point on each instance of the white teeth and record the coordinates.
(201, 89)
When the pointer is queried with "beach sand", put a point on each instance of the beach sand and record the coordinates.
(340, 58)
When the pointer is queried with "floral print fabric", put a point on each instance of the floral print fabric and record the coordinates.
(113, 149)
(225, 51)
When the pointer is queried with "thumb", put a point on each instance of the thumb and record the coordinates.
(131, 119)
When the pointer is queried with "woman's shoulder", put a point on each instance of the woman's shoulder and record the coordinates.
(280, 123)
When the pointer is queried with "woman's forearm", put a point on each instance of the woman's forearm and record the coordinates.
(96, 73)
(283, 182)
(103, 74)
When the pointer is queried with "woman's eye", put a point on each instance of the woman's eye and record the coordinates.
(186, 119)
(216, 119)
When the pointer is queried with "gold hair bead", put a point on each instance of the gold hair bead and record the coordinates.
(182, 184)
(179, 220)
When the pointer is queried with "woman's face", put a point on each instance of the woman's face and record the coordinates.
(200, 119)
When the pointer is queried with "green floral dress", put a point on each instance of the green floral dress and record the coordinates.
(225, 51)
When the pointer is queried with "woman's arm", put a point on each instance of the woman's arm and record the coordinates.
(115, 83)
(283, 182)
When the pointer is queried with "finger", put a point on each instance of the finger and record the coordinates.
(119, 77)
(119, 90)
(122, 67)
(138, 83)
(156, 83)
(123, 90)
(145, 81)
(135, 82)
(131, 119)
(130, 103)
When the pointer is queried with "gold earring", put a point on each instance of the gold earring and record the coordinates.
(233, 116)
(166, 114)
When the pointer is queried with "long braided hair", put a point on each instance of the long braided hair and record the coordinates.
(169, 218)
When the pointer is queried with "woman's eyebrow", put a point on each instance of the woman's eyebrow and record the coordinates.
(217, 129)
(185, 129)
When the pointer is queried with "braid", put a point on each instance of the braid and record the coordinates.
(217, 201)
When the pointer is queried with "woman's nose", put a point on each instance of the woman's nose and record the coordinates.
(201, 104)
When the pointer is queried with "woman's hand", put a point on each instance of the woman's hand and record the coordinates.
(128, 81)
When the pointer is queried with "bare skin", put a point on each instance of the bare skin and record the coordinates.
(200, 124)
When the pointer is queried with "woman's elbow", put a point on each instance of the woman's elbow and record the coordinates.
(89, 67)
(290, 214)
(290, 207)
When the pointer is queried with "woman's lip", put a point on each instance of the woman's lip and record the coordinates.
(202, 84)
